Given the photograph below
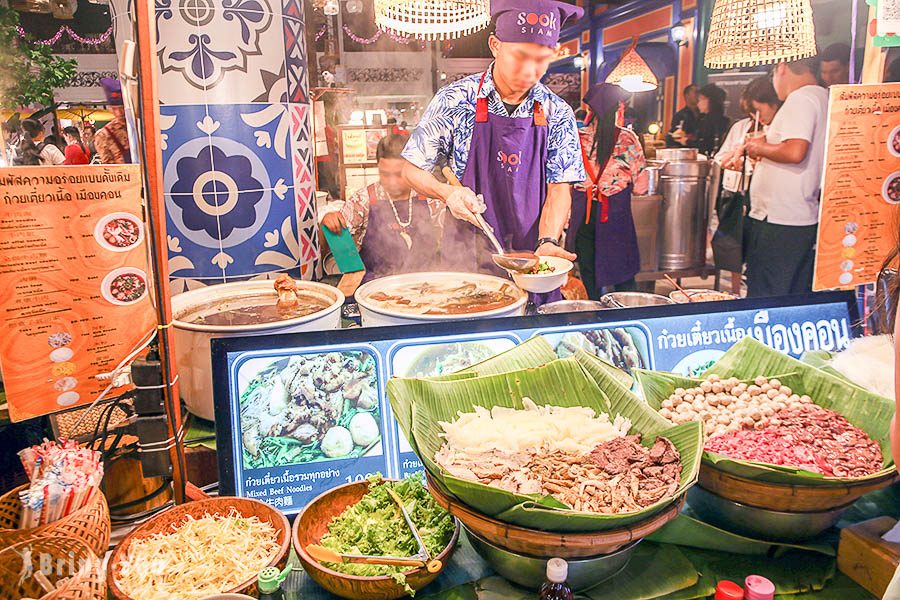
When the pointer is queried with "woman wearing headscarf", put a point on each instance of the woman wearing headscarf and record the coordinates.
(602, 231)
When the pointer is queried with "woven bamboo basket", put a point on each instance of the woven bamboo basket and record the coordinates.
(784, 497)
(165, 521)
(67, 563)
(547, 543)
(90, 523)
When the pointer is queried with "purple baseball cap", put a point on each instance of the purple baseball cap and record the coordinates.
(603, 97)
(532, 21)
(113, 90)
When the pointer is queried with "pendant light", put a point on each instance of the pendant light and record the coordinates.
(432, 19)
(746, 33)
(633, 74)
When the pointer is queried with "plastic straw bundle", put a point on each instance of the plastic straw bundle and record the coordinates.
(64, 477)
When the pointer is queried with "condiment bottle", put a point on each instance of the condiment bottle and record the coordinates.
(556, 588)
(269, 583)
(729, 590)
(757, 587)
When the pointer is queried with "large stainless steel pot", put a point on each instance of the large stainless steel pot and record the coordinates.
(676, 154)
(192, 340)
(684, 215)
(631, 299)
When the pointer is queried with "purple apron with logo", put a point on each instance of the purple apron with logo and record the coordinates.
(508, 166)
(384, 249)
(616, 258)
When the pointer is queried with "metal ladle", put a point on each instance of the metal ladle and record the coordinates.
(518, 261)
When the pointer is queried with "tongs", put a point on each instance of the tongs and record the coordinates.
(419, 560)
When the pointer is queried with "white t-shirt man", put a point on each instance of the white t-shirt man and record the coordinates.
(788, 194)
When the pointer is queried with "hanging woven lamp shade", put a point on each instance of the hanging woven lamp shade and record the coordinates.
(632, 73)
(746, 33)
(432, 19)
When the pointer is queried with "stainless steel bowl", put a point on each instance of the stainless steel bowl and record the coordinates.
(676, 154)
(568, 306)
(630, 299)
(531, 571)
(758, 523)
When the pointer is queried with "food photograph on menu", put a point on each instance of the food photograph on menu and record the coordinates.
(624, 347)
(308, 408)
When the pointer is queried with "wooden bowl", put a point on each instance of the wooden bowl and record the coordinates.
(784, 497)
(313, 523)
(221, 505)
(547, 543)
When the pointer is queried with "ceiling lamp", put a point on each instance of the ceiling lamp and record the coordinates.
(432, 19)
(632, 74)
(746, 33)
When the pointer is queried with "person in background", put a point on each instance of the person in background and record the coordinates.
(33, 147)
(784, 192)
(580, 117)
(892, 74)
(87, 136)
(111, 142)
(713, 125)
(395, 229)
(77, 152)
(834, 65)
(604, 237)
(684, 123)
(759, 98)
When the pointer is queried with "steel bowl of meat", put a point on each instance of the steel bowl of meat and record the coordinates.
(700, 295)
(891, 188)
(242, 309)
(124, 286)
(440, 296)
(119, 232)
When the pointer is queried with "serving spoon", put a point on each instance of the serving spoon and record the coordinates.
(518, 261)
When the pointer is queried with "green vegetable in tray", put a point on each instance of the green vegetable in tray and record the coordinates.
(375, 526)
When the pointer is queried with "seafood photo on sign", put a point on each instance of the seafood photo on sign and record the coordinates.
(624, 347)
(308, 408)
(431, 360)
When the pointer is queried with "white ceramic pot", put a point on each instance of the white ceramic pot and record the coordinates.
(192, 340)
(374, 315)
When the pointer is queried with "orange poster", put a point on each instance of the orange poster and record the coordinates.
(861, 185)
(74, 285)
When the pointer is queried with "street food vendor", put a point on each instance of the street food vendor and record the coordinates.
(394, 228)
(511, 141)
(602, 230)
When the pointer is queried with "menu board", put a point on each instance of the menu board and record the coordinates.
(300, 414)
(74, 286)
(861, 185)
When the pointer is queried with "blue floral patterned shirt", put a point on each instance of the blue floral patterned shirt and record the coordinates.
(445, 131)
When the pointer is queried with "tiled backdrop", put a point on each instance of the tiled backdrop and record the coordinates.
(237, 157)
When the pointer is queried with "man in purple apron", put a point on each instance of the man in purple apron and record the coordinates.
(510, 140)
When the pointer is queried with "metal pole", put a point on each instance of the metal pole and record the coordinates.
(145, 37)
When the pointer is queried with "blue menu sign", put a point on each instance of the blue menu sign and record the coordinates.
(299, 414)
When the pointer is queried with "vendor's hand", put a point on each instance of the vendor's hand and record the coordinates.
(549, 249)
(335, 222)
(464, 204)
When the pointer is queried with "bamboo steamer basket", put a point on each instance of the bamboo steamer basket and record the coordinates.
(89, 524)
(81, 576)
(165, 521)
(547, 543)
(313, 523)
(784, 497)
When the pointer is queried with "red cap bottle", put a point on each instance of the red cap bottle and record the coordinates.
(729, 590)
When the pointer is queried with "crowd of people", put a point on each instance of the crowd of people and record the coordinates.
(29, 144)
(772, 161)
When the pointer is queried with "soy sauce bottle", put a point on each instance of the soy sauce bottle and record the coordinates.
(556, 588)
